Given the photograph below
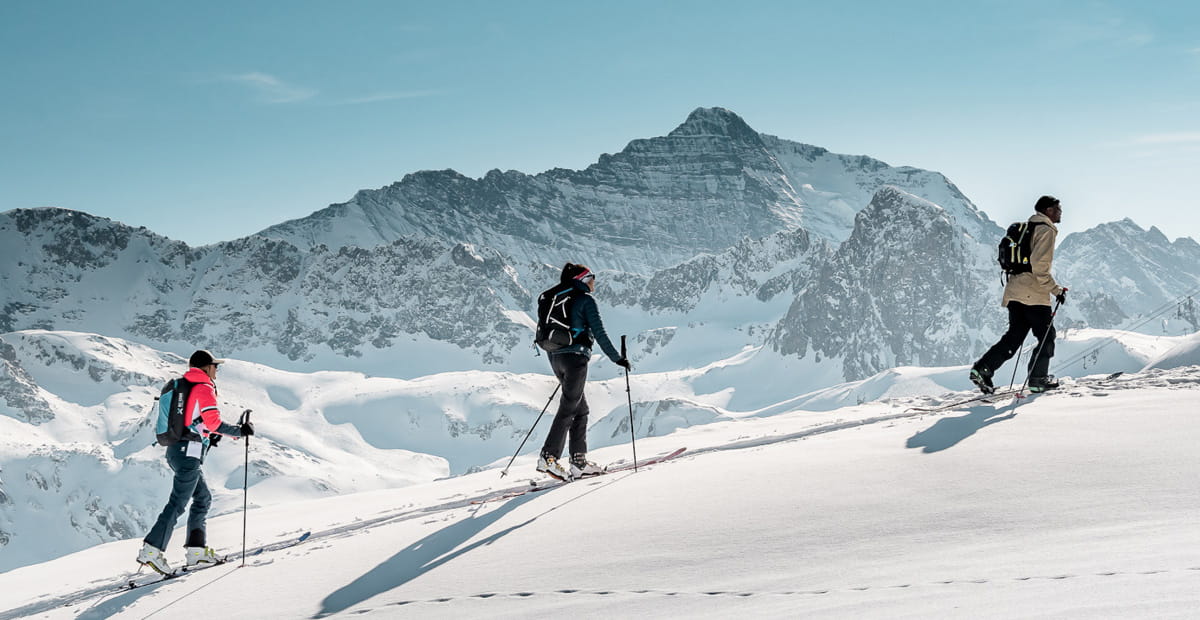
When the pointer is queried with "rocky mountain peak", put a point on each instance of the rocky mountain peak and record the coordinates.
(715, 122)
(892, 198)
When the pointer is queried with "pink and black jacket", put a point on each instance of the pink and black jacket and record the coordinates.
(202, 415)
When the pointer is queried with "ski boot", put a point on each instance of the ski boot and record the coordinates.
(982, 378)
(201, 556)
(153, 557)
(581, 467)
(551, 467)
(1041, 384)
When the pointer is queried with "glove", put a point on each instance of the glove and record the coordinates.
(624, 363)
(213, 439)
(247, 429)
(1062, 297)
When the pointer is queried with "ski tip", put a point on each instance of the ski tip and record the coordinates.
(304, 536)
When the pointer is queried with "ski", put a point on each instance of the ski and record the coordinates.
(984, 398)
(303, 537)
(535, 486)
(134, 584)
(999, 395)
(618, 467)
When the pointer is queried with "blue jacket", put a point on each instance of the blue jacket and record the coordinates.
(585, 318)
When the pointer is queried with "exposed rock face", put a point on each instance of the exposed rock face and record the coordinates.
(904, 289)
(700, 189)
(1120, 270)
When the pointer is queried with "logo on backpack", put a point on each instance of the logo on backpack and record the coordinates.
(172, 402)
(1015, 248)
(554, 319)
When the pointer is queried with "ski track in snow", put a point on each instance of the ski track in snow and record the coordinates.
(1195, 570)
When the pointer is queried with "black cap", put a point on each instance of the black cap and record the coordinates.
(203, 358)
(1045, 202)
(571, 271)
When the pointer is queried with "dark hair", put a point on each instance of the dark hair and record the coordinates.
(1045, 202)
(571, 271)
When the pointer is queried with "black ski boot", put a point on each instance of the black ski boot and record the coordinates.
(982, 377)
(1041, 384)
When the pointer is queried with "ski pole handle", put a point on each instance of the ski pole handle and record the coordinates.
(623, 356)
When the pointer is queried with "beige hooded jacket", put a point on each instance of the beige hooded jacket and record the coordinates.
(1037, 287)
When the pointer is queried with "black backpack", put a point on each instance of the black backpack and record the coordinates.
(554, 319)
(172, 401)
(1015, 248)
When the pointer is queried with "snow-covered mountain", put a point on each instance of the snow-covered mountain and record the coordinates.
(1129, 272)
(709, 239)
(904, 290)
(701, 188)
(444, 305)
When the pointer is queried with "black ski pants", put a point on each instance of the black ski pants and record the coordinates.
(1022, 319)
(572, 417)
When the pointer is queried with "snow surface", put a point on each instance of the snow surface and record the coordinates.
(1185, 353)
(89, 473)
(1076, 504)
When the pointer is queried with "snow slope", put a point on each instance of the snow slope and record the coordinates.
(1077, 504)
(78, 466)
(1185, 353)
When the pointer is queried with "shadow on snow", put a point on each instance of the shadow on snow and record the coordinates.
(948, 432)
(429, 553)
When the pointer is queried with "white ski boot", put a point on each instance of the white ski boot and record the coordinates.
(201, 556)
(153, 557)
(581, 467)
(551, 467)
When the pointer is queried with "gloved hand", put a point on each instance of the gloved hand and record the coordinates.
(624, 363)
(1062, 297)
(247, 429)
(213, 439)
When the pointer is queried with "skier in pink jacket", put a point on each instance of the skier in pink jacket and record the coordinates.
(204, 428)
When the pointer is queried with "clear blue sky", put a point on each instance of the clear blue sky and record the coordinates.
(207, 121)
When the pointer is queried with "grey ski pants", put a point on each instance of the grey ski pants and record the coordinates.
(188, 485)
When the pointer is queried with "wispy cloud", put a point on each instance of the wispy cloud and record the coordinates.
(1172, 144)
(270, 89)
(392, 96)
(1107, 31)
(1100, 24)
(1178, 137)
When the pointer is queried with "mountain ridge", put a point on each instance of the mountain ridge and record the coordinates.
(458, 288)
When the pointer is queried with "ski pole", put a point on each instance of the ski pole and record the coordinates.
(504, 472)
(1038, 351)
(1016, 365)
(629, 398)
(245, 484)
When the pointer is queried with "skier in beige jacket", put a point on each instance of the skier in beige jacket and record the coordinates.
(1027, 297)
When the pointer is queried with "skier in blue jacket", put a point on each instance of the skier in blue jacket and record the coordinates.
(570, 365)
